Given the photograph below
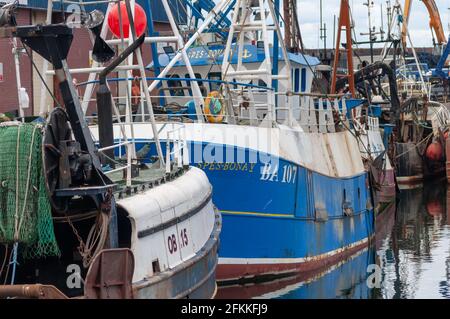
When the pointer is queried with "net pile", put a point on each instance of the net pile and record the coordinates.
(25, 211)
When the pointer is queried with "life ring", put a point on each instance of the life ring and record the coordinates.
(214, 109)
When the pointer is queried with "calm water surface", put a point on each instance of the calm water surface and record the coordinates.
(411, 251)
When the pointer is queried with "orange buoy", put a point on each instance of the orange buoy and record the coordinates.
(140, 20)
(434, 151)
(434, 208)
(136, 92)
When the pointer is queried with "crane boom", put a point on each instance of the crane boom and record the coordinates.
(435, 21)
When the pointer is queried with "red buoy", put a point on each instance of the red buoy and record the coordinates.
(140, 20)
(434, 151)
(434, 208)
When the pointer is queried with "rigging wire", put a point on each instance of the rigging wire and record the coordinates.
(40, 76)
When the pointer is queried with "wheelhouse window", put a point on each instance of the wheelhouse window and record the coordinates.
(297, 80)
(262, 84)
(303, 81)
(215, 76)
(200, 83)
(176, 87)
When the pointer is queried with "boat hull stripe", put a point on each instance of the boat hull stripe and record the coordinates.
(278, 261)
(177, 220)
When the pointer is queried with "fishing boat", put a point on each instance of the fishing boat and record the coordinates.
(287, 175)
(419, 142)
(77, 221)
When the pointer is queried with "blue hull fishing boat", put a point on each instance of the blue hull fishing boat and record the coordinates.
(305, 209)
(285, 167)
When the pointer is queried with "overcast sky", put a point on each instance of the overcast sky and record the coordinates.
(309, 19)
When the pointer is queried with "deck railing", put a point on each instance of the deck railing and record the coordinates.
(176, 147)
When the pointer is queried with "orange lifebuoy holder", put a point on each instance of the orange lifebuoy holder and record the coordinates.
(214, 109)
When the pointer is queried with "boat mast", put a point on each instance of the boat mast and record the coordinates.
(292, 35)
(344, 22)
(369, 5)
(323, 31)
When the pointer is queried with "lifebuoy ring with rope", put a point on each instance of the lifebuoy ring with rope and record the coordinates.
(214, 109)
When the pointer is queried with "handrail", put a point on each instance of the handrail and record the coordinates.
(180, 149)
(181, 79)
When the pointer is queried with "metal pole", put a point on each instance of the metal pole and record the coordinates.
(18, 79)
(323, 31)
(42, 106)
(382, 23)
(144, 82)
(334, 30)
(276, 47)
(368, 4)
(153, 46)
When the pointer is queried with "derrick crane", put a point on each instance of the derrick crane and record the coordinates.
(439, 72)
(292, 35)
(344, 22)
(435, 22)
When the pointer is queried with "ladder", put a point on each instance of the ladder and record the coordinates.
(250, 23)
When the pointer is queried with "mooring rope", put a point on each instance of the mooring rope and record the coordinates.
(415, 146)
(14, 262)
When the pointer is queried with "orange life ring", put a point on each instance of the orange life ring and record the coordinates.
(214, 109)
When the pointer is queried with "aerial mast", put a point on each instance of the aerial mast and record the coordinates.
(323, 31)
(369, 5)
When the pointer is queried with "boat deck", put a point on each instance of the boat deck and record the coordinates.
(149, 176)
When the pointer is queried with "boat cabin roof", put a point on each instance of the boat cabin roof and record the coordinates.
(207, 55)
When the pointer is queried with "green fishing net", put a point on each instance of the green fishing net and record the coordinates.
(25, 211)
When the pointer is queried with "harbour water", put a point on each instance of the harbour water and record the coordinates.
(409, 258)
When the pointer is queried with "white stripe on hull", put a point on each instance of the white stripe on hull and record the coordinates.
(276, 261)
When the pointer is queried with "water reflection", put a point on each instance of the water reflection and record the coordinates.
(411, 248)
(347, 280)
(415, 259)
